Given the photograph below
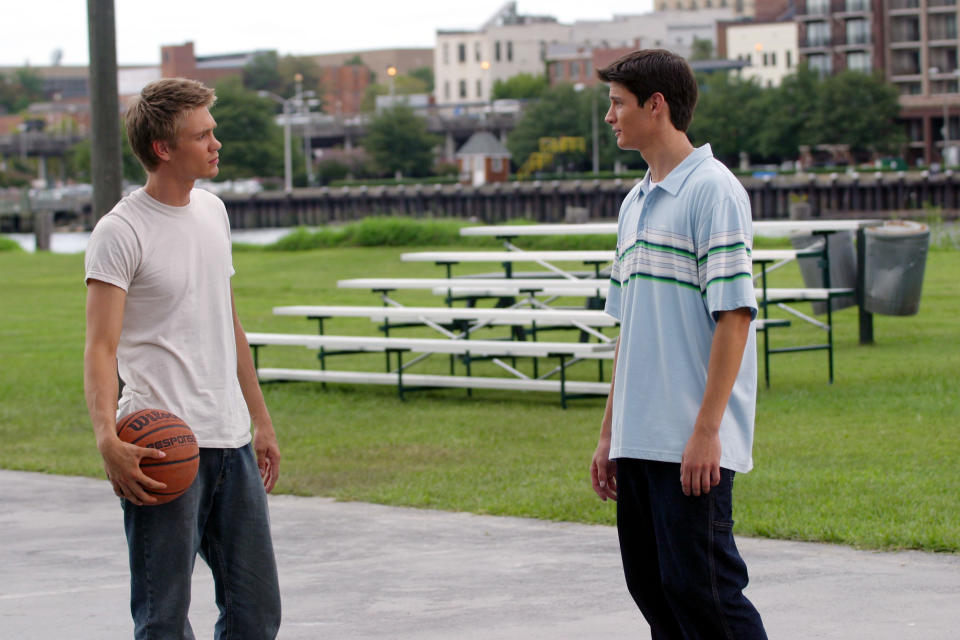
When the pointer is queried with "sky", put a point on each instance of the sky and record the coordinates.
(33, 30)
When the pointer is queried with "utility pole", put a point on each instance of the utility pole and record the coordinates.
(105, 156)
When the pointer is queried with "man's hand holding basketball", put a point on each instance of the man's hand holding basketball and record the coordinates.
(121, 461)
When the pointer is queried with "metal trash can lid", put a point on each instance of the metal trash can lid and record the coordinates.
(898, 228)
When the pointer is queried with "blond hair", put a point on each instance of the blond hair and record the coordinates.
(157, 112)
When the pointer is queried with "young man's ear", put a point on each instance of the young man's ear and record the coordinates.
(656, 102)
(161, 148)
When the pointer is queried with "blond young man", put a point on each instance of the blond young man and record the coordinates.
(679, 419)
(160, 312)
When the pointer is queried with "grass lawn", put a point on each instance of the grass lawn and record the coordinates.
(869, 461)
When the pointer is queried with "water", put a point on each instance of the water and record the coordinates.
(76, 241)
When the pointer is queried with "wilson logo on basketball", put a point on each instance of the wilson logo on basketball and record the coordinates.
(176, 441)
(146, 419)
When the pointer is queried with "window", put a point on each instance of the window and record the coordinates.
(905, 62)
(477, 51)
(818, 34)
(943, 26)
(858, 61)
(857, 32)
(905, 29)
(789, 59)
(496, 164)
(910, 89)
(496, 51)
(574, 70)
(446, 53)
(820, 63)
(509, 51)
(480, 88)
(773, 58)
(944, 58)
(463, 88)
(461, 52)
(818, 7)
(446, 89)
(765, 59)
(556, 68)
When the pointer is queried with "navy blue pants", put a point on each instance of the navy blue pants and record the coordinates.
(680, 561)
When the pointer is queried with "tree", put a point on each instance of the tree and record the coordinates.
(261, 73)
(252, 140)
(78, 162)
(20, 89)
(701, 49)
(860, 110)
(562, 111)
(398, 141)
(424, 74)
(727, 115)
(403, 85)
(790, 117)
(522, 86)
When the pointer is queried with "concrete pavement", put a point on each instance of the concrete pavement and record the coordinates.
(358, 571)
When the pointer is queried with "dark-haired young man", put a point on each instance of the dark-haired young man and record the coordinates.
(160, 308)
(679, 418)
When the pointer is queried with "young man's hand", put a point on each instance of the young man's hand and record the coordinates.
(268, 456)
(121, 461)
(603, 471)
(700, 465)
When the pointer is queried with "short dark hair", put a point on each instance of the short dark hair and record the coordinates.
(649, 71)
(156, 114)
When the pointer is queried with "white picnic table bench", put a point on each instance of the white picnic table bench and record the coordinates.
(327, 345)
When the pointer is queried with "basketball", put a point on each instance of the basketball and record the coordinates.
(158, 429)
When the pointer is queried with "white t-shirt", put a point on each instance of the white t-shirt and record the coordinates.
(177, 348)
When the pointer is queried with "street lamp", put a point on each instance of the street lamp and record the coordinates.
(287, 166)
(593, 120)
(391, 72)
(946, 115)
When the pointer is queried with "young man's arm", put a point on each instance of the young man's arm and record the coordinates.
(264, 436)
(121, 461)
(603, 470)
(700, 466)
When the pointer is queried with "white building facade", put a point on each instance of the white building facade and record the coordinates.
(769, 49)
(468, 63)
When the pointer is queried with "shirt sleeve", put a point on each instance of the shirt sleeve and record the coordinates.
(113, 253)
(724, 247)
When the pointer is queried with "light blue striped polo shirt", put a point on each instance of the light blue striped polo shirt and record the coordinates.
(683, 254)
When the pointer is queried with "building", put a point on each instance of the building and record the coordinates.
(468, 63)
(840, 35)
(741, 8)
(379, 60)
(921, 48)
(345, 76)
(768, 49)
(483, 159)
(179, 61)
(914, 43)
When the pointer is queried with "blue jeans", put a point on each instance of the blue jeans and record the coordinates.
(679, 558)
(223, 517)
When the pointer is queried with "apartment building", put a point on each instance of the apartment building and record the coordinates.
(468, 62)
(922, 46)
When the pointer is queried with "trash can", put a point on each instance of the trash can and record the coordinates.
(843, 267)
(895, 257)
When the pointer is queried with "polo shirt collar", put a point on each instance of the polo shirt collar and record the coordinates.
(675, 179)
